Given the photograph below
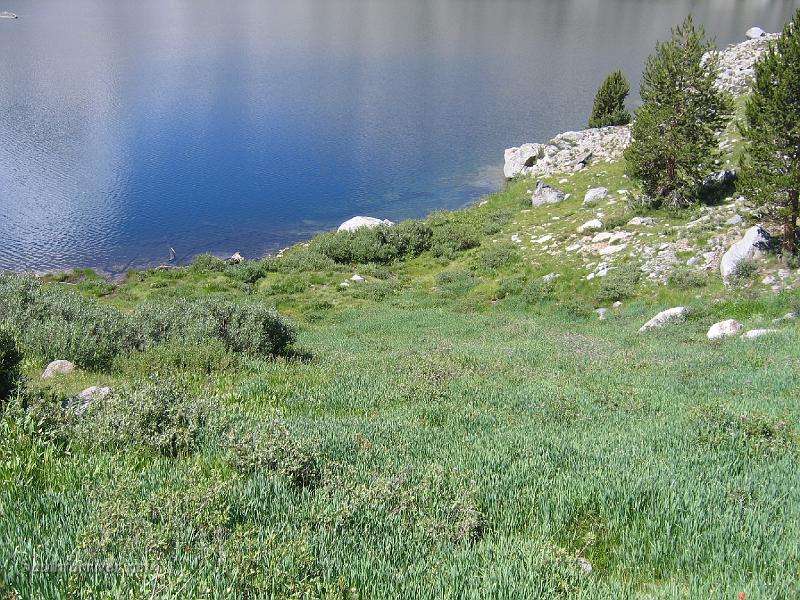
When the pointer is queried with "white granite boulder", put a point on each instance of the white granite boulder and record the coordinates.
(359, 222)
(544, 194)
(592, 225)
(757, 333)
(595, 194)
(58, 367)
(753, 243)
(666, 317)
(754, 33)
(723, 329)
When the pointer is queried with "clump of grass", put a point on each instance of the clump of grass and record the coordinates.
(752, 432)
(208, 263)
(538, 291)
(10, 357)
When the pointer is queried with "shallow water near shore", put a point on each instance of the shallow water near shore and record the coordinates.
(130, 128)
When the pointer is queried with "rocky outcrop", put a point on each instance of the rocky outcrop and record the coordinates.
(755, 241)
(724, 329)
(567, 152)
(359, 222)
(666, 317)
(58, 367)
(737, 62)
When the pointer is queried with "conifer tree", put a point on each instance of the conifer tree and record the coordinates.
(674, 143)
(609, 102)
(770, 173)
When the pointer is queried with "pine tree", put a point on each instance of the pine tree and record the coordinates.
(770, 173)
(674, 145)
(609, 102)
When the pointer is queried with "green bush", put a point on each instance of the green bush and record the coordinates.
(156, 413)
(248, 327)
(743, 273)
(381, 244)
(376, 290)
(205, 263)
(451, 238)
(619, 284)
(538, 291)
(298, 261)
(253, 447)
(54, 323)
(246, 271)
(10, 358)
(686, 278)
(511, 286)
(198, 358)
(494, 257)
(495, 222)
(455, 282)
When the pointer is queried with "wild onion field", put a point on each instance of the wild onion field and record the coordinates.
(453, 427)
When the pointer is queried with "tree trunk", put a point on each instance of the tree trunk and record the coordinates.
(790, 226)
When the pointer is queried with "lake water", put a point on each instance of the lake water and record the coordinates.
(127, 128)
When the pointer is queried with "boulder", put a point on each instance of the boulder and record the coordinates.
(666, 317)
(359, 222)
(735, 220)
(520, 158)
(235, 258)
(595, 194)
(544, 194)
(357, 278)
(58, 367)
(591, 225)
(646, 221)
(757, 333)
(754, 33)
(753, 243)
(723, 329)
(603, 236)
(81, 402)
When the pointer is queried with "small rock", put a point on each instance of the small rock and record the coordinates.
(608, 250)
(603, 236)
(81, 401)
(544, 194)
(768, 280)
(665, 317)
(58, 367)
(616, 304)
(723, 329)
(344, 284)
(235, 258)
(543, 240)
(585, 565)
(757, 333)
(735, 220)
(357, 278)
(551, 276)
(754, 33)
(646, 221)
(590, 226)
(595, 194)
(601, 313)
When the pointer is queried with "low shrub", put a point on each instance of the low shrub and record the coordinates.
(198, 358)
(451, 238)
(538, 291)
(155, 413)
(253, 447)
(686, 278)
(620, 283)
(494, 257)
(495, 222)
(246, 271)
(455, 282)
(206, 263)
(576, 308)
(54, 323)
(248, 327)
(376, 290)
(10, 358)
(298, 261)
(511, 286)
(383, 244)
(743, 273)
(753, 433)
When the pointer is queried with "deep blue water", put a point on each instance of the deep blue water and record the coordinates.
(127, 128)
